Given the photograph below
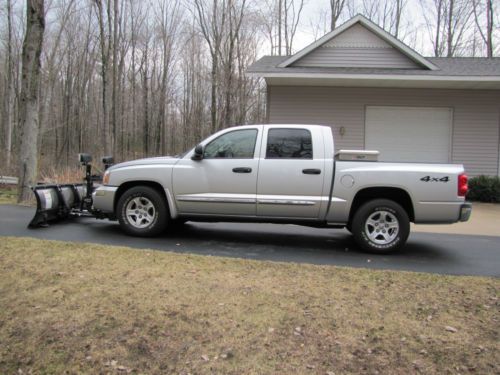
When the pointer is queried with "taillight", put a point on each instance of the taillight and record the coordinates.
(462, 185)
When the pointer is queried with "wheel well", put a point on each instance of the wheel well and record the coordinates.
(397, 195)
(127, 185)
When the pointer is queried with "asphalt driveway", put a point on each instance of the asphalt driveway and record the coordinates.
(442, 253)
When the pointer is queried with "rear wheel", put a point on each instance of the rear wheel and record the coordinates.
(142, 211)
(380, 226)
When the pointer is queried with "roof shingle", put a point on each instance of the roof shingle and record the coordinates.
(448, 66)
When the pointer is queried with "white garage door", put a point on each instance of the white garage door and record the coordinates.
(412, 134)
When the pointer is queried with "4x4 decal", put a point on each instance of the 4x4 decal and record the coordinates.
(435, 179)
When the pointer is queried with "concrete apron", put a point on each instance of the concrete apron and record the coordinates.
(484, 221)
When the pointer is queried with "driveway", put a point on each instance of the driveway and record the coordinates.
(441, 253)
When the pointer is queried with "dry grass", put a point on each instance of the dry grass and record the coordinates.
(64, 175)
(96, 309)
(8, 194)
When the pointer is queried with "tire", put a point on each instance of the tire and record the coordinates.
(142, 211)
(380, 226)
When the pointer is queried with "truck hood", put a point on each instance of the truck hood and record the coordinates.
(166, 160)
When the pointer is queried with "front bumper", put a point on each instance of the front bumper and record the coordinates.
(104, 198)
(465, 211)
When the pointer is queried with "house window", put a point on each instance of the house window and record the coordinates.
(238, 144)
(289, 144)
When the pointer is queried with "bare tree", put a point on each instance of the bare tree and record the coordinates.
(192, 104)
(9, 89)
(211, 22)
(385, 13)
(292, 17)
(145, 72)
(235, 20)
(105, 70)
(32, 49)
(447, 22)
(113, 70)
(336, 9)
(281, 23)
(269, 20)
(168, 25)
(485, 9)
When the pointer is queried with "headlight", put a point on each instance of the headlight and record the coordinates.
(105, 178)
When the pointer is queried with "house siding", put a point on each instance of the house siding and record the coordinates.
(340, 57)
(475, 128)
(356, 47)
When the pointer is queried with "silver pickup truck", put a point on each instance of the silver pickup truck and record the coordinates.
(283, 174)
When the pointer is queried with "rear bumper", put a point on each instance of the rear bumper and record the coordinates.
(465, 212)
(442, 212)
(104, 198)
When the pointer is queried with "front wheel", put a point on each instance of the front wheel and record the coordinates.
(380, 226)
(142, 211)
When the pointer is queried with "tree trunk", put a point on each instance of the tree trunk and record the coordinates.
(145, 88)
(336, 8)
(10, 98)
(213, 95)
(30, 82)
(399, 9)
(105, 135)
(449, 44)
(280, 12)
(489, 28)
(115, 71)
(437, 51)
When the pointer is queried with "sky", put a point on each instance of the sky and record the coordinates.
(313, 10)
(419, 39)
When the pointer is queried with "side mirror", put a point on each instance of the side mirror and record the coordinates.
(198, 152)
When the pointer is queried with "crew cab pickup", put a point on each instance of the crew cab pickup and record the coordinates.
(283, 174)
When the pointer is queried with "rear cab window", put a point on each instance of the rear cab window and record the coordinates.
(286, 143)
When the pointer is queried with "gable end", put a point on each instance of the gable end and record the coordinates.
(356, 47)
(415, 59)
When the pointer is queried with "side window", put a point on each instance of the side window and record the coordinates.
(289, 144)
(239, 144)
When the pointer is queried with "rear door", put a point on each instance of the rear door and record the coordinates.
(291, 173)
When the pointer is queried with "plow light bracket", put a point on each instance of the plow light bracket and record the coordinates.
(84, 158)
(108, 161)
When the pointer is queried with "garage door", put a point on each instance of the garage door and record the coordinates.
(412, 134)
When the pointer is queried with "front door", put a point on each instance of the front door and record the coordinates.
(224, 181)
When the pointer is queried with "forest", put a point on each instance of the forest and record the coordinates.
(134, 78)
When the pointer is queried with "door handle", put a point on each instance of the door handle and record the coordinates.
(242, 170)
(311, 171)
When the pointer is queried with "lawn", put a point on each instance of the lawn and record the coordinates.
(8, 194)
(85, 308)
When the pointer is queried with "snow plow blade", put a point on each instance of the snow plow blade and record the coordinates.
(58, 202)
